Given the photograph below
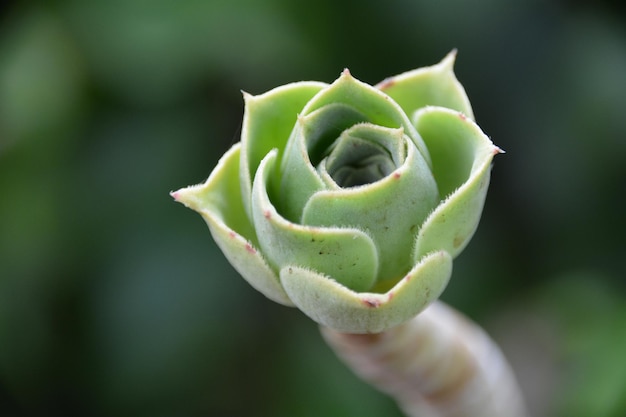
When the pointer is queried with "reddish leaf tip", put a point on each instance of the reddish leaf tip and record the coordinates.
(386, 83)
(371, 302)
(250, 249)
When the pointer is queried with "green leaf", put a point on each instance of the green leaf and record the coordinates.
(462, 156)
(429, 86)
(331, 304)
(378, 107)
(267, 123)
(343, 254)
(219, 202)
(312, 134)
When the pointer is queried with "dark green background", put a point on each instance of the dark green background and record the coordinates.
(114, 300)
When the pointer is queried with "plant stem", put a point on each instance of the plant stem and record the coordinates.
(439, 364)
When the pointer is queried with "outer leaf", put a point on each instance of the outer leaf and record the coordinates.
(219, 203)
(429, 86)
(331, 304)
(462, 156)
(267, 122)
(347, 255)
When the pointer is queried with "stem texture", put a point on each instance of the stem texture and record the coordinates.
(439, 364)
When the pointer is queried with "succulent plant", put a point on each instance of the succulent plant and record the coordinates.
(350, 201)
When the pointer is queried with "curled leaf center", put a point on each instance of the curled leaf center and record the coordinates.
(360, 163)
(364, 154)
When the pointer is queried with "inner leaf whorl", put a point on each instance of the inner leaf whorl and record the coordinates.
(364, 154)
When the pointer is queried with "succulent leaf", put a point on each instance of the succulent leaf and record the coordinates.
(299, 179)
(346, 254)
(378, 107)
(429, 86)
(219, 203)
(462, 156)
(267, 122)
(338, 307)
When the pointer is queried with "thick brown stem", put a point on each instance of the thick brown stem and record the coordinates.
(438, 364)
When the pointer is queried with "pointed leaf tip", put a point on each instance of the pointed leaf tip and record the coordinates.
(449, 60)
(187, 196)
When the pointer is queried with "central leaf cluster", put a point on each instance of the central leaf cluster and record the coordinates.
(353, 166)
(364, 154)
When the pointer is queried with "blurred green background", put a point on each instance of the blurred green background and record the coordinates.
(114, 300)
